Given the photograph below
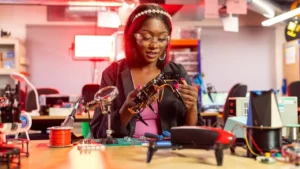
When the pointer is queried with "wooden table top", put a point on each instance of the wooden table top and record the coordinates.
(85, 117)
(133, 157)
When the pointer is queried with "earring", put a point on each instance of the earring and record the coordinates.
(164, 56)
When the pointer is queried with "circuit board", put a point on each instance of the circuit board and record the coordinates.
(125, 142)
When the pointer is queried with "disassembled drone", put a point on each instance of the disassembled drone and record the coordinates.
(153, 91)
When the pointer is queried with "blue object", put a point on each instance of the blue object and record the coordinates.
(257, 92)
(155, 136)
(160, 137)
(161, 144)
(166, 134)
(249, 114)
(284, 87)
(23, 120)
(199, 81)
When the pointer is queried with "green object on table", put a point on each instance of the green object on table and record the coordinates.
(124, 142)
(85, 129)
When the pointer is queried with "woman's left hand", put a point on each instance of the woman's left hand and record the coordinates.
(189, 95)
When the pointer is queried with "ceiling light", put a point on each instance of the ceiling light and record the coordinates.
(281, 17)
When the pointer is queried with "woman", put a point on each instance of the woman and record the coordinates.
(146, 39)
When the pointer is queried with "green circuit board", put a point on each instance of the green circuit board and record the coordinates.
(125, 142)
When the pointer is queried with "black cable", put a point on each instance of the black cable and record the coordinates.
(218, 124)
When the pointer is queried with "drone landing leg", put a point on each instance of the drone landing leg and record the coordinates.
(151, 150)
(232, 150)
(219, 156)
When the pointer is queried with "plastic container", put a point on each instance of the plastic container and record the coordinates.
(85, 129)
(185, 57)
(186, 33)
(60, 136)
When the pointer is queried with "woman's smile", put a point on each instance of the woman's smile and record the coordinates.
(152, 55)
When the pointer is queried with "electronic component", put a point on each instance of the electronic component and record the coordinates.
(264, 159)
(88, 145)
(149, 92)
(288, 109)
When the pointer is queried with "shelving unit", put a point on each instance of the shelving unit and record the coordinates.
(12, 59)
(187, 53)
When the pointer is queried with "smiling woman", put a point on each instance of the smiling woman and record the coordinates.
(146, 39)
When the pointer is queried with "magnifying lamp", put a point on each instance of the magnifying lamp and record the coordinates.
(21, 78)
(105, 96)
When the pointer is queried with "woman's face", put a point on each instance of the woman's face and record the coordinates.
(152, 40)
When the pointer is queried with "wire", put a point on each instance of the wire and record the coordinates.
(246, 139)
(254, 143)
(146, 103)
(236, 125)
(172, 80)
(218, 124)
(162, 87)
(248, 145)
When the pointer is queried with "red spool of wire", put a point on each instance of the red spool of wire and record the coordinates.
(60, 136)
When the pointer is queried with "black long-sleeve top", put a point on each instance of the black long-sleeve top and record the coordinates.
(172, 111)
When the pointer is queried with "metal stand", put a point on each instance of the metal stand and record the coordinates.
(106, 108)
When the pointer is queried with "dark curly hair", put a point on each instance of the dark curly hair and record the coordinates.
(132, 27)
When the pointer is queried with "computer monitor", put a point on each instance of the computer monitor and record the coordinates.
(218, 98)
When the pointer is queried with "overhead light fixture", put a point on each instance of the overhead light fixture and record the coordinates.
(281, 17)
(265, 7)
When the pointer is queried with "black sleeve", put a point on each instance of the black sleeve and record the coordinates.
(99, 123)
(200, 121)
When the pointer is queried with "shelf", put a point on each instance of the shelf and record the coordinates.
(7, 71)
(16, 56)
(184, 42)
(8, 41)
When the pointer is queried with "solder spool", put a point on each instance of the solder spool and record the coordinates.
(60, 136)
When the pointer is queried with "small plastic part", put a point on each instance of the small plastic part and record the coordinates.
(266, 160)
(278, 155)
(166, 134)
(267, 154)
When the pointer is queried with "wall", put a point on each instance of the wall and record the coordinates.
(245, 57)
(16, 19)
(53, 66)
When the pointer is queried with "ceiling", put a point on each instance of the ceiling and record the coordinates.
(183, 10)
(284, 4)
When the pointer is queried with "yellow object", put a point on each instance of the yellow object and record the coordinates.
(268, 154)
(248, 145)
